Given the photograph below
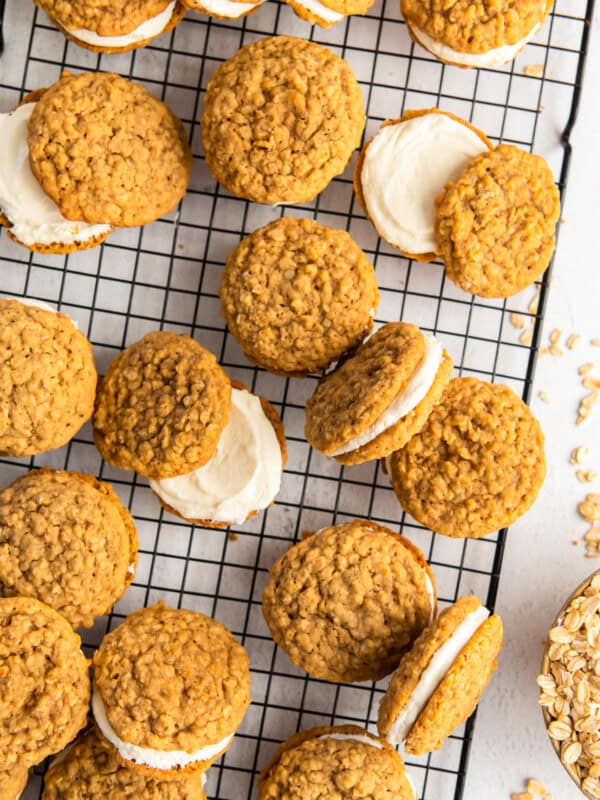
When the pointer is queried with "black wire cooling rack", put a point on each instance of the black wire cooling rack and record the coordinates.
(167, 275)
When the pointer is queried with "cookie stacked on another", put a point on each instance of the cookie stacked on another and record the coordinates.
(326, 13)
(224, 9)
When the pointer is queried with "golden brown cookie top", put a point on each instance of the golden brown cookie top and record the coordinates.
(161, 407)
(90, 771)
(346, 601)
(47, 379)
(107, 151)
(476, 466)
(495, 225)
(104, 17)
(354, 396)
(205, 668)
(42, 668)
(349, 6)
(328, 763)
(281, 119)
(298, 295)
(66, 539)
(13, 782)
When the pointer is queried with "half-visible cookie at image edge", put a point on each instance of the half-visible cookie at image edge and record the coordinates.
(224, 9)
(297, 295)
(13, 783)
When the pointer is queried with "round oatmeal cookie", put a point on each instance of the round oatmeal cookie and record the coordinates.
(161, 407)
(297, 295)
(107, 151)
(348, 7)
(452, 694)
(47, 379)
(45, 683)
(66, 539)
(476, 466)
(88, 770)
(13, 782)
(281, 119)
(345, 602)
(331, 763)
(496, 225)
(171, 687)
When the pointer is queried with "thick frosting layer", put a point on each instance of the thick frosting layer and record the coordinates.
(146, 756)
(35, 218)
(147, 30)
(412, 394)
(320, 11)
(226, 8)
(405, 168)
(432, 676)
(243, 476)
(431, 593)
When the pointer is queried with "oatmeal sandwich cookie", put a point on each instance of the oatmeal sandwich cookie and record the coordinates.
(379, 397)
(401, 171)
(224, 9)
(281, 119)
(44, 683)
(478, 34)
(298, 295)
(326, 13)
(496, 222)
(330, 763)
(476, 466)
(346, 601)
(13, 782)
(66, 539)
(47, 379)
(440, 679)
(162, 406)
(171, 688)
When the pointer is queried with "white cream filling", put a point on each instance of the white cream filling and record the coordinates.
(226, 8)
(243, 476)
(432, 676)
(354, 737)
(147, 756)
(405, 168)
(430, 594)
(34, 217)
(412, 394)
(147, 30)
(320, 11)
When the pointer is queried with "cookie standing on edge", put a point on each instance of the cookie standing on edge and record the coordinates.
(44, 669)
(281, 119)
(224, 9)
(298, 295)
(171, 687)
(380, 396)
(440, 680)
(345, 602)
(333, 762)
(476, 466)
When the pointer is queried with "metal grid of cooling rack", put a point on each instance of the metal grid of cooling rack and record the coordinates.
(167, 275)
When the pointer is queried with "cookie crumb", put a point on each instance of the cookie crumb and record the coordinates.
(543, 396)
(533, 70)
(595, 342)
(233, 537)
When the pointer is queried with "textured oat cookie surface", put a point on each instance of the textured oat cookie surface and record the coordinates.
(281, 119)
(107, 151)
(104, 17)
(47, 379)
(161, 407)
(495, 225)
(13, 782)
(345, 602)
(476, 466)
(349, 6)
(298, 295)
(44, 683)
(66, 539)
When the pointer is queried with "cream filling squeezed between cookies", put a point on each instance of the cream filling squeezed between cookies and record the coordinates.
(147, 30)
(243, 476)
(405, 168)
(34, 217)
(415, 390)
(434, 673)
(321, 11)
(229, 9)
(354, 737)
(147, 756)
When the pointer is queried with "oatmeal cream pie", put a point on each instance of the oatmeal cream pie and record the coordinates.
(13, 782)
(224, 9)
(330, 763)
(406, 165)
(379, 397)
(47, 379)
(479, 34)
(328, 12)
(281, 119)
(113, 26)
(297, 296)
(44, 683)
(439, 681)
(476, 466)
(346, 601)
(171, 688)
(66, 539)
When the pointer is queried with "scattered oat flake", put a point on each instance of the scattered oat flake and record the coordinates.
(579, 454)
(595, 342)
(587, 475)
(543, 396)
(590, 508)
(534, 70)
(536, 788)
(543, 351)
(574, 341)
(517, 320)
(555, 336)
(555, 350)
(526, 337)
(534, 304)
(585, 369)
(521, 796)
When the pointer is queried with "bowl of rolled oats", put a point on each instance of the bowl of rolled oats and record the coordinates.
(570, 686)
